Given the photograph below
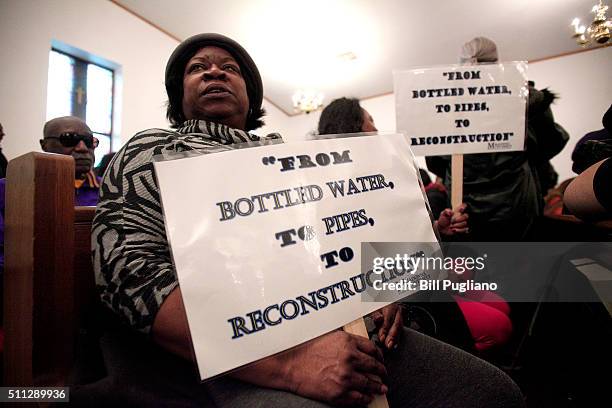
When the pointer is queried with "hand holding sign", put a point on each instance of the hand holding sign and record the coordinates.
(339, 368)
(389, 322)
(452, 222)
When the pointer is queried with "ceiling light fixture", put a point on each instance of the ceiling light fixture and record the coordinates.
(347, 56)
(598, 31)
(307, 101)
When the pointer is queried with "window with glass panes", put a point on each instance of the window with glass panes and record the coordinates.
(81, 88)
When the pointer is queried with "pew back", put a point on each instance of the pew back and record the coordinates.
(48, 273)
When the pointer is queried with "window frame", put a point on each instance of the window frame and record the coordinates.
(84, 59)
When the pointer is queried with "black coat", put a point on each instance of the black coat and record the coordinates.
(502, 190)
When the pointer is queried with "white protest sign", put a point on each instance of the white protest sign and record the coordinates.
(460, 109)
(266, 240)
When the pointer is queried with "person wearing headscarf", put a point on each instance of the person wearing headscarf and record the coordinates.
(479, 50)
(215, 96)
(70, 136)
(504, 191)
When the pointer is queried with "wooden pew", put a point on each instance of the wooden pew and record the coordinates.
(48, 277)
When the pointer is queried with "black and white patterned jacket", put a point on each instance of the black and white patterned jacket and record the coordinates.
(131, 257)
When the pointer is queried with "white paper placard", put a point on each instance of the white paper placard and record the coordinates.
(234, 222)
(458, 109)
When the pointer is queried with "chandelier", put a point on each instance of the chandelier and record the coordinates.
(598, 31)
(307, 101)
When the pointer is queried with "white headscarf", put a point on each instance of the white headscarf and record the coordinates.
(480, 49)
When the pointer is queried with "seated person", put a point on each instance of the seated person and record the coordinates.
(215, 95)
(590, 149)
(67, 135)
(594, 146)
(71, 136)
(589, 195)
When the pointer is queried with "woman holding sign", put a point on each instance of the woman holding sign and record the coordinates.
(215, 96)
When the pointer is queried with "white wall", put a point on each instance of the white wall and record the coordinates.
(582, 81)
(97, 26)
(101, 27)
(276, 121)
(298, 127)
(583, 84)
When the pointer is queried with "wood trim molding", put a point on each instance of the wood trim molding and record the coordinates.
(566, 54)
(147, 21)
(279, 108)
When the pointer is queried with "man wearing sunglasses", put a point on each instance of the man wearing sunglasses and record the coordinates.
(71, 136)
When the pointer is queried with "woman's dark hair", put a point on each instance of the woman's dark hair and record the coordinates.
(174, 111)
(342, 115)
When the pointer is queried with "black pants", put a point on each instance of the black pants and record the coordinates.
(423, 372)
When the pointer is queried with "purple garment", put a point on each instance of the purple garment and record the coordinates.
(601, 134)
(84, 196)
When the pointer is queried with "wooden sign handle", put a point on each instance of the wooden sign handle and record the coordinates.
(456, 180)
(358, 328)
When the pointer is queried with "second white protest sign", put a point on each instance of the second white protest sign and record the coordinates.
(460, 109)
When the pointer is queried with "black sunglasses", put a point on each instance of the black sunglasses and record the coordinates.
(69, 139)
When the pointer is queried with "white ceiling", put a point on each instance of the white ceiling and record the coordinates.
(296, 43)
